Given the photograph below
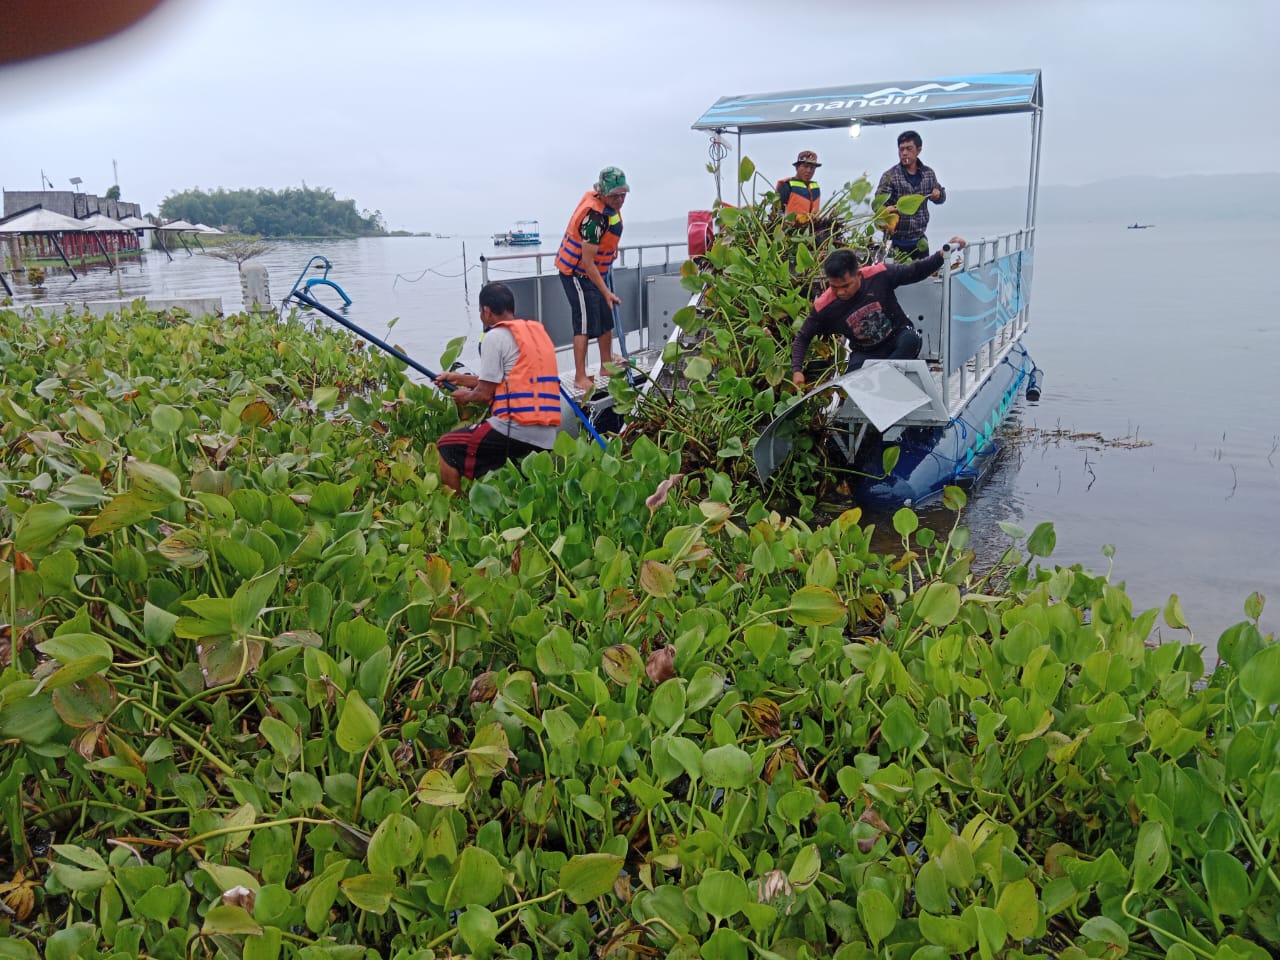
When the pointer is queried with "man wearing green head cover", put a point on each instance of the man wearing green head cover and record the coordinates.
(586, 253)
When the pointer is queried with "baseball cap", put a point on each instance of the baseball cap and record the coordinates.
(807, 156)
(612, 180)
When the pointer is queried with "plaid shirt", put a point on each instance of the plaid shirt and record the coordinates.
(895, 183)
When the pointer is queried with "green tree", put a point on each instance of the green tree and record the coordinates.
(297, 212)
(113, 192)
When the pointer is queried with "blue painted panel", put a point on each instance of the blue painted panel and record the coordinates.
(986, 298)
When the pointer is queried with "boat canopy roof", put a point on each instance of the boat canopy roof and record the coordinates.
(961, 95)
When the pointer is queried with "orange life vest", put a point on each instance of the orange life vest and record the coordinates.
(803, 197)
(531, 390)
(569, 257)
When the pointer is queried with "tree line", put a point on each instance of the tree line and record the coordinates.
(296, 212)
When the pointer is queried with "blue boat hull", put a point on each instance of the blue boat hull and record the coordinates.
(932, 457)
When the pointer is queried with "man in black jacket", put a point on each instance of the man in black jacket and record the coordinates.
(859, 304)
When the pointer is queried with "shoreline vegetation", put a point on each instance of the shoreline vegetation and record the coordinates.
(306, 212)
(269, 690)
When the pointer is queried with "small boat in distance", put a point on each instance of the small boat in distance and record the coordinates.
(524, 234)
(1140, 226)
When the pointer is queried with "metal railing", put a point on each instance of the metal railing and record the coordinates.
(622, 262)
(534, 280)
(962, 376)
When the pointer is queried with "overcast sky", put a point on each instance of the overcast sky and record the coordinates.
(462, 118)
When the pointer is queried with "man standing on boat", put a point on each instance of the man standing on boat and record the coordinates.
(800, 195)
(859, 303)
(906, 178)
(586, 253)
(519, 380)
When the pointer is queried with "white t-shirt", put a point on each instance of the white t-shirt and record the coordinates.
(498, 355)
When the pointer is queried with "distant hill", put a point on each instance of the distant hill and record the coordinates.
(1122, 200)
(1126, 200)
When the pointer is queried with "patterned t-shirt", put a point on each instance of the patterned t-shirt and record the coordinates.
(593, 226)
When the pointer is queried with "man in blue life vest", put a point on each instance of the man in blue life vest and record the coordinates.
(800, 194)
(908, 177)
(586, 253)
(518, 379)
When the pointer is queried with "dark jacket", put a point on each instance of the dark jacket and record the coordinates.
(868, 318)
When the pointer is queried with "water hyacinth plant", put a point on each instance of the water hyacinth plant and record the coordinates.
(268, 690)
(729, 374)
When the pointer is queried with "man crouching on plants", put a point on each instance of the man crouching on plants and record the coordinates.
(518, 379)
(860, 304)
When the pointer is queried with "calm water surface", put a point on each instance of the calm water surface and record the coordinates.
(1157, 431)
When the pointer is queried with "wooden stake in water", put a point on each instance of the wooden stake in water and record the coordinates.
(466, 292)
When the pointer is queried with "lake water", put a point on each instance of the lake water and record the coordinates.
(1157, 431)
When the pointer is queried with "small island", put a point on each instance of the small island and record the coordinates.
(292, 212)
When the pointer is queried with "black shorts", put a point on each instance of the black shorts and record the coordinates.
(592, 316)
(474, 451)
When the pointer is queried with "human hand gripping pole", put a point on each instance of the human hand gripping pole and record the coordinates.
(404, 358)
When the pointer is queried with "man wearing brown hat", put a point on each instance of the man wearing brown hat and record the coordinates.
(800, 194)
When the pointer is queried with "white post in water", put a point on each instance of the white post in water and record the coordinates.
(254, 288)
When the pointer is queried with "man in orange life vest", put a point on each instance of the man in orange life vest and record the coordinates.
(800, 194)
(518, 379)
(586, 253)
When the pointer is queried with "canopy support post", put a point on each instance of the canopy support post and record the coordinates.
(1033, 174)
(57, 246)
(101, 246)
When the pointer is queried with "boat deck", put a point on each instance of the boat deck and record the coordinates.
(643, 361)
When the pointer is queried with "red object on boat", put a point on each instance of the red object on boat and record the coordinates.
(700, 235)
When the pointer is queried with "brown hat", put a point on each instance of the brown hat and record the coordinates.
(807, 156)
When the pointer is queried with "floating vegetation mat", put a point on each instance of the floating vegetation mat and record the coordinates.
(269, 690)
(729, 374)
(1060, 436)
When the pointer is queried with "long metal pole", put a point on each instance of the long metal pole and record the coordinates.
(537, 287)
(57, 246)
(946, 327)
(101, 246)
(409, 361)
(737, 167)
(620, 333)
(376, 341)
(715, 137)
(1033, 175)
